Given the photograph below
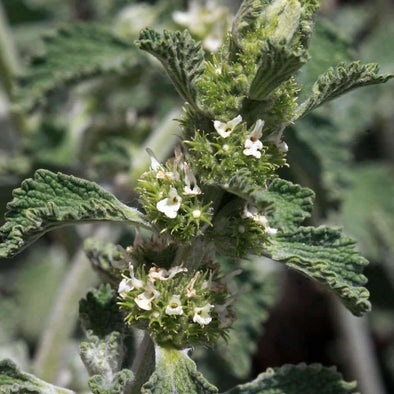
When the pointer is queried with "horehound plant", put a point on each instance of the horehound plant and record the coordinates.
(219, 195)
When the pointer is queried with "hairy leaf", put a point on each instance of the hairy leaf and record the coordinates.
(52, 200)
(290, 204)
(327, 49)
(99, 311)
(297, 379)
(326, 256)
(103, 359)
(340, 80)
(176, 373)
(287, 204)
(14, 381)
(71, 54)
(278, 64)
(181, 56)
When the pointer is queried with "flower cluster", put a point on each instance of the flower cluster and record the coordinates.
(178, 308)
(173, 199)
(231, 146)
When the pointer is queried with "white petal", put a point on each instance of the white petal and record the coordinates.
(258, 129)
(124, 287)
(225, 129)
(201, 315)
(174, 306)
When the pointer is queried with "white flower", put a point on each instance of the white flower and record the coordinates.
(213, 42)
(253, 145)
(163, 274)
(250, 212)
(174, 306)
(144, 300)
(276, 138)
(125, 286)
(170, 205)
(156, 167)
(191, 187)
(202, 316)
(225, 129)
(128, 284)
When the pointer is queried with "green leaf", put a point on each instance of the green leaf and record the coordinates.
(289, 204)
(327, 49)
(324, 255)
(176, 373)
(103, 359)
(14, 381)
(338, 81)
(99, 311)
(52, 200)
(297, 379)
(71, 54)
(278, 63)
(181, 56)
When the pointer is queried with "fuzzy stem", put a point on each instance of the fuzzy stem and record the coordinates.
(63, 318)
(143, 364)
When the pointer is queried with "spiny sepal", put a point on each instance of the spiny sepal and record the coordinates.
(51, 200)
(323, 254)
(179, 309)
(297, 379)
(176, 373)
(173, 200)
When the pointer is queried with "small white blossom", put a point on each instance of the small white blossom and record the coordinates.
(213, 42)
(225, 129)
(170, 205)
(125, 286)
(276, 138)
(252, 144)
(174, 306)
(250, 212)
(157, 168)
(196, 213)
(191, 187)
(144, 300)
(202, 316)
(163, 274)
(128, 284)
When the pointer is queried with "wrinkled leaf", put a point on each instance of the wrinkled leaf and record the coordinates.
(325, 255)
(14, 381)
(340, 80)
(71, 54)
(52, 200)
(297, 379)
